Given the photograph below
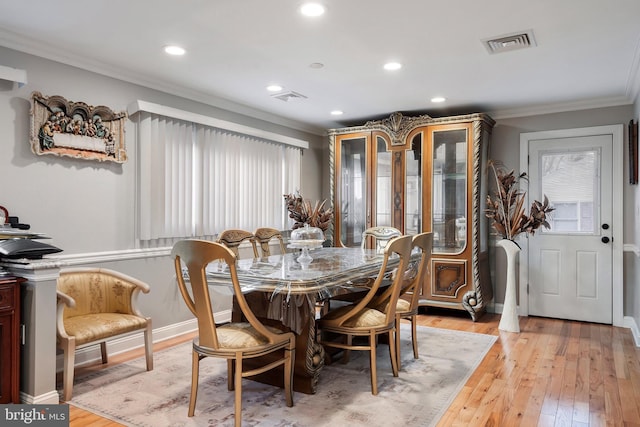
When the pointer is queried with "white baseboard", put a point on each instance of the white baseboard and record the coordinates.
(498, 307)
(91, 354)
(50, 398)
(630, 322)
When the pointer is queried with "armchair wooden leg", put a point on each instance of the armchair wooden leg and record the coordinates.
(195, 372)
(346, 353)
(148, 346)
(289, 363)
(397, 341)
(230, 374)
(103, 352)
(373, 364)
(69, 350)
(393, 353)
(238, 392)
(414, 337)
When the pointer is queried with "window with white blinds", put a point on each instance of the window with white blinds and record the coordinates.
(196, 180)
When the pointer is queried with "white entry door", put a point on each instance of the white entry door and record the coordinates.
(573, 268)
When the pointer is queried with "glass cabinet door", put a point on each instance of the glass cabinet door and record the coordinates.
(413, 187)
(352, 190)
(384, 185)
(449, 197)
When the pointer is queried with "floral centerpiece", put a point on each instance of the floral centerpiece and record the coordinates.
(303, 212)
(506, 207)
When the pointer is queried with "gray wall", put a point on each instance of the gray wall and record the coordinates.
(87, 207)
(505, 146)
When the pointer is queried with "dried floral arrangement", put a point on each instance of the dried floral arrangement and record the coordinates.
(506, 207)
(304, 212)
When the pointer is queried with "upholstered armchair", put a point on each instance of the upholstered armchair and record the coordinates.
(94, 305)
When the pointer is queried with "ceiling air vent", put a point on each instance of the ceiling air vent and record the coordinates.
(509, 42)
(286, 96)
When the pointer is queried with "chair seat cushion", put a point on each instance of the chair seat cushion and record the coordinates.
(366, 318)
(402, 305)
(242, 335)
(100, 326)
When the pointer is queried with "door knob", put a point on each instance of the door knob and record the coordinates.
(605, 239)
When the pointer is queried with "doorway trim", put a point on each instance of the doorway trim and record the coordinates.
(617, 133)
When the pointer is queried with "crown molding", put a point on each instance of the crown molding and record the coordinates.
(57, 54)
(535, 110)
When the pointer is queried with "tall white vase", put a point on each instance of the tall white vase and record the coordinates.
(509, 321)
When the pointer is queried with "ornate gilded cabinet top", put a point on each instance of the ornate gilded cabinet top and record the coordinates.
(398, 126)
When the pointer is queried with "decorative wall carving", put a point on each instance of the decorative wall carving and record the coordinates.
(65, 128)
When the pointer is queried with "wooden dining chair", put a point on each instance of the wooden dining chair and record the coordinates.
(237, 341)
(264, 235)
(407, 304)
(360, 321)
(372, 238)
(233, 238)
(378, 237)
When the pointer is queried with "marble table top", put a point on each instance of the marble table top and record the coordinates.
(330, 268)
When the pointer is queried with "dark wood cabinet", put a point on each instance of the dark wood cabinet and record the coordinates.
(10, 339)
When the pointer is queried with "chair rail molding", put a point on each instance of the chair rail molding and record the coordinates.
(68, 260)
(632, 247)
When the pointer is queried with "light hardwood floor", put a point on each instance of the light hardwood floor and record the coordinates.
(553, 373)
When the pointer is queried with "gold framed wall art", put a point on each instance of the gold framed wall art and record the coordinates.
(74, 129)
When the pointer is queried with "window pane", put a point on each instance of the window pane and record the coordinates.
(413, 190)
(352, 191)
(569, 180)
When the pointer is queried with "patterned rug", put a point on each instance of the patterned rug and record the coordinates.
(130, 395)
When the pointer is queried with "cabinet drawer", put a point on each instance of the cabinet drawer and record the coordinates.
(6, 297)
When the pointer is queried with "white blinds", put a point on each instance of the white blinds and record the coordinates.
(196, 180)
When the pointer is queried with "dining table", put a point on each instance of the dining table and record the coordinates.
(284, 291)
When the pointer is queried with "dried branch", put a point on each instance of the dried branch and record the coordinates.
(302, 212)
(506, 207)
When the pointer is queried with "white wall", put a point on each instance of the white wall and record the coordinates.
(87, 207)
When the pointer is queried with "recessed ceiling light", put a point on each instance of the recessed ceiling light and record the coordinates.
(438, 99)
(312, 9)
(337, 113)
(391, 66)
(274, 88)
(174, 50)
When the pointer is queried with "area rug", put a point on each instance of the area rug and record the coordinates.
(130, 395)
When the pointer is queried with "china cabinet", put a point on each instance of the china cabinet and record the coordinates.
(420, 174)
